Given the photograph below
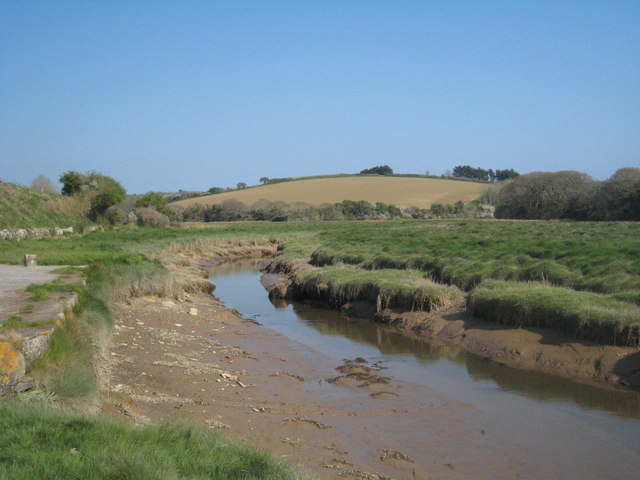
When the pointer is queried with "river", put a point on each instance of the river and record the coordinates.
(569, 429)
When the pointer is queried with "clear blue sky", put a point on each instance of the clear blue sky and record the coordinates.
(193, 94)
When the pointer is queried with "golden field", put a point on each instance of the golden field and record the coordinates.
(399, 191)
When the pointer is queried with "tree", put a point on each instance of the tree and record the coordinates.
(44, 185)
(379, 170)
(544, 195)
(473, 173)
(501, 175)
(109, 192)
(155, 200)
(264, 180)
(72, 182)
(618, 198)
(214, 190)
(241, 186)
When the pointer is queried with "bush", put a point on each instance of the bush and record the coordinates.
(150, 217)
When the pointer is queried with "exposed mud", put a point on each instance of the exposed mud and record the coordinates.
(230, 374)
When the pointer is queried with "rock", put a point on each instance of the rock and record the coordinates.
(30, 260)
(36, 345)
(12, 364)
(24, 384)
(193, 311)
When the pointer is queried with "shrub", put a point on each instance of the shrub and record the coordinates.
(150, 217)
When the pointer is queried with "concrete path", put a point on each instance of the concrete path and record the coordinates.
(13, 280)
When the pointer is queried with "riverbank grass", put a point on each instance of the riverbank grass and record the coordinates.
(593, 316)
(387, 288)
(38, 442)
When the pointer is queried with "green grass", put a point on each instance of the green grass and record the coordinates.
(39, 443)
(385, 288)
(24, 208)
(602, 258)
(593, 316)
(41, 291)
(598, 257)
(16, 321)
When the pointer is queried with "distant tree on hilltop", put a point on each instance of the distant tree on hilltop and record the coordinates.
(477, 173)
(43, 184)
(379, 170)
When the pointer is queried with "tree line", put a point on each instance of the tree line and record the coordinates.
(477, 173)
(571, 195)
(264, 210)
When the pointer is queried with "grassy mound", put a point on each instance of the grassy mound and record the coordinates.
(593, 316)
(25, 208)
(410, 290)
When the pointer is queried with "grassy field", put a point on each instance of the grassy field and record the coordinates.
(582, 278)
(399, 191)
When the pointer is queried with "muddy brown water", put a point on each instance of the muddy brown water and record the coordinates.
(548, 427)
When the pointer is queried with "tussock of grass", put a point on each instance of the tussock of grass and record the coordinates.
(65, 370)
(38, 443)
(385, 288)
(592, 316)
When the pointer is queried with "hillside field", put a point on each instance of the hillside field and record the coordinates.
(399, 191)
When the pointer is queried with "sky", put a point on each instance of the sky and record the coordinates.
(187, 95)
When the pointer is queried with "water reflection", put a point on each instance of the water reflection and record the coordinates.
(539, 386)
(545, 387)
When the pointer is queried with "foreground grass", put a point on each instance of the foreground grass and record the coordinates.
(39, 443)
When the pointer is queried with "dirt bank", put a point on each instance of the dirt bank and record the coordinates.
(531, 349)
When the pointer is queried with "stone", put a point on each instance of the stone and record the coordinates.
(12, 364)
(36, 345)
(193, 311)
(30, 260)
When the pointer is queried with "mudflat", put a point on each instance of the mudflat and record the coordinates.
(231, 374)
